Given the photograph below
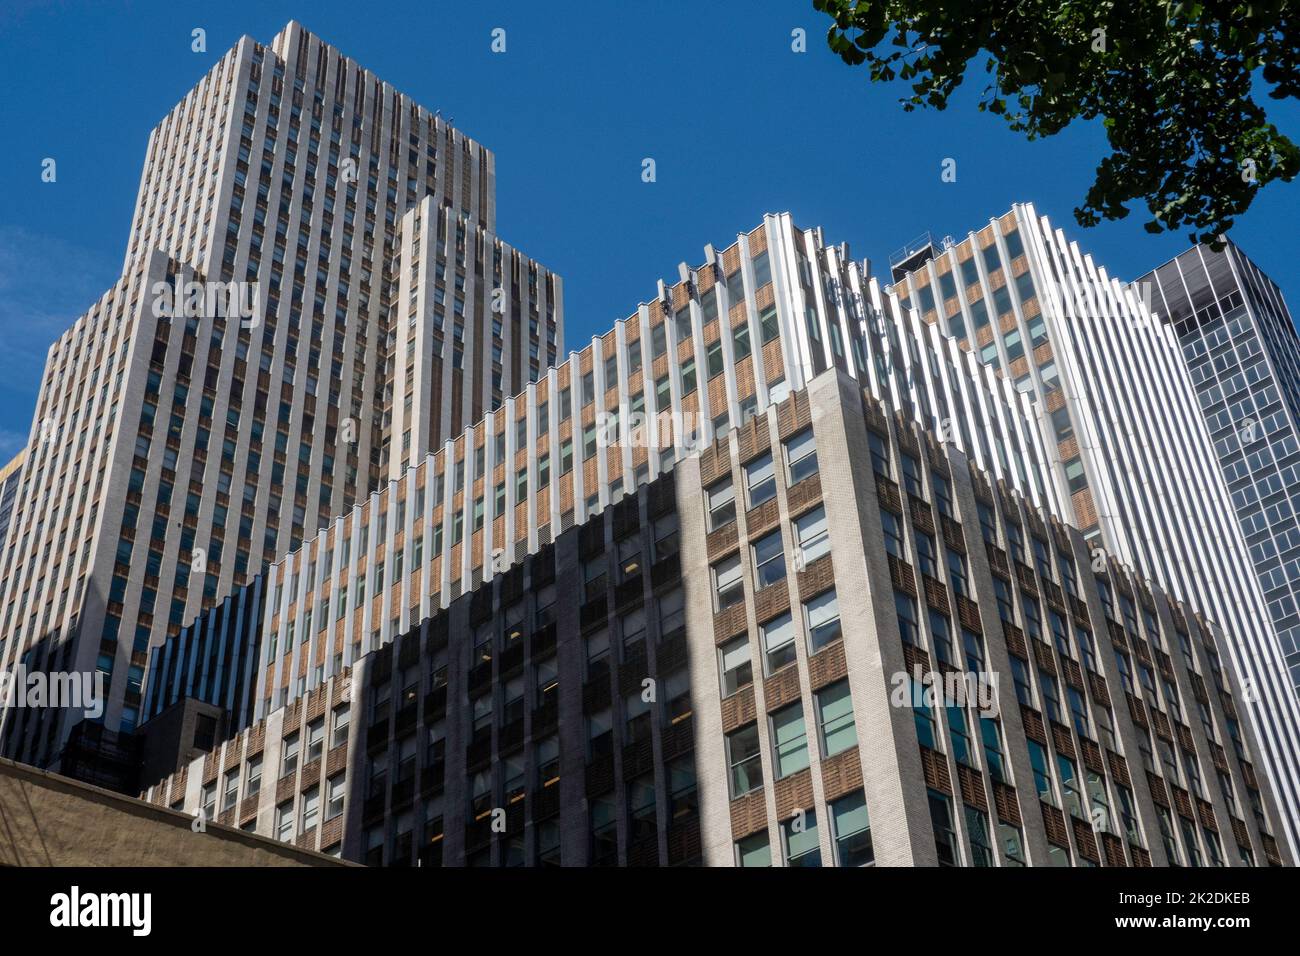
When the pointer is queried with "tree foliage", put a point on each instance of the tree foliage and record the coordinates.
(1175, 85)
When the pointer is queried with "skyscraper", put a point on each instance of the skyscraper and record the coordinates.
(1241, 351)
(1137, 426)
(867, 653)
(10, 477)
(518, 607)
(240, 384)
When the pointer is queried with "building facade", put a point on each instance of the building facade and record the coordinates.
(10, 478)
(311, 259)
(1134, 427)
(618, 413)
(737, 683)
(1239, 344)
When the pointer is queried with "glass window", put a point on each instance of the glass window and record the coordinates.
(822, 619)
(879, 453)
(722, 504)
(835, 716)
(812, 535)
(315, 739)
(1042, 773)
(943, 495)
(736, 665)
(960, 733)
(289, 759)
(760, 480)
(1013, 844)
(745, 761)
(778, 642)
(926, 555)
(728, 586)
(907, 626)
(802, 845)
(801, 456)
(912, 475)
(945, 836)
(789, 740)
(754, 850)
(993, 756)
(851, 830)
(981, 847)
(769, 560)
(893, 528)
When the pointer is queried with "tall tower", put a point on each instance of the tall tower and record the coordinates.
(237, 387)
(1131, 430)
(1243, 356)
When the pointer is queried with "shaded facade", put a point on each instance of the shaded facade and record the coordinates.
(727, 672)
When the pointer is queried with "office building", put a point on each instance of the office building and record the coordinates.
(311, 265)
(1137, 412)
(732, 684)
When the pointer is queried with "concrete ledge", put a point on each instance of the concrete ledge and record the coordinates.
(50, 820)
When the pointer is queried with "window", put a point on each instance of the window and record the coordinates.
(736, 665)
(960, 733)
(728, 586)
(722, 504)
(974, 647)
(760, 480)
(822, 619)
(957, 573)
(778, 642)
(342, 717)
(981, 847)
(1013, 844)
(1051, 696)
(835, 719)
(754, 850)
(921, 715)
(943, 496)
(1079, 712)
(893, 528)
(1100, 812)
(745, 761)
(993, 756)
(230, 792)
(800, 457)
(315, 739)
(284, 821)
(945, 837)
(905, 606)
(1020, 674)
(802, 845)
(941, 635)
(769, 560)
(926, 556)
(310, 809)
(812, 536)
(289, 757)
(1042, 774)
(789, 740)
(334, 795)
(912, 475)
(252, 777)
(851, 831)
(879, 453)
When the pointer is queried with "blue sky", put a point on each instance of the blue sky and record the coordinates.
(737, 123)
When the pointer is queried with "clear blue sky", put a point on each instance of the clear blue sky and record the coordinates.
(738, 125)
